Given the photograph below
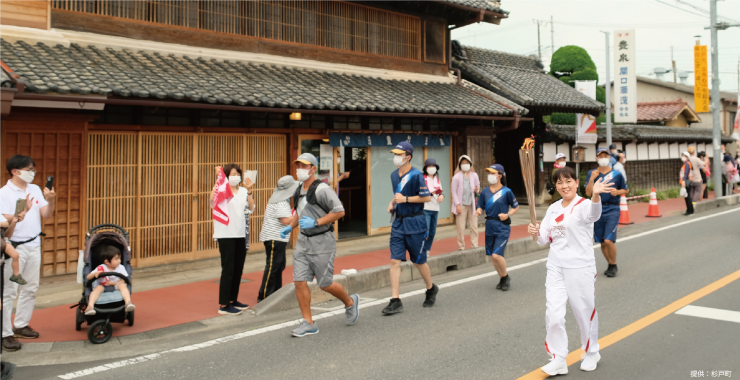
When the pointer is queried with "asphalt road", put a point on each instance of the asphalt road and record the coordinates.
(477, 332)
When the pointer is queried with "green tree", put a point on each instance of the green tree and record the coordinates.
(571, 63)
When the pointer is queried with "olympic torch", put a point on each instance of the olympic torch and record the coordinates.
(526, 159)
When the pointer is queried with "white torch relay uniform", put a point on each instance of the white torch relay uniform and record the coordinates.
(571, 273)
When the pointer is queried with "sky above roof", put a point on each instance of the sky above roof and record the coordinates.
(659, 25)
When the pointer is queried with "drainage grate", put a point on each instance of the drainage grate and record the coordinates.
(243, 281)
(451, 267)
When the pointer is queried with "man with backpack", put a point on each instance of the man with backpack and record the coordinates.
(318, 207)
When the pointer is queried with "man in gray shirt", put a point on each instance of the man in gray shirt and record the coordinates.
(318, 207)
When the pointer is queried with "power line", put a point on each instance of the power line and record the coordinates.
(679, 8)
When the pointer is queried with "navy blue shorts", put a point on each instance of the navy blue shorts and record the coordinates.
(413, 243)
(606, 227)
(496, 244)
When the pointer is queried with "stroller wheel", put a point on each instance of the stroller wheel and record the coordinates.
(79, 319)
(130, 318)
(100, 331)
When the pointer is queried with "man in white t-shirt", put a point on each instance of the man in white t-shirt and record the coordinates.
(28, 244)
(278, 214)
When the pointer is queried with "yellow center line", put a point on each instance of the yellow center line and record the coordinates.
(575, 356)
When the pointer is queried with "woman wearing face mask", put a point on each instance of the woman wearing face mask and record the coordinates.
(684, 180)
(431, 208)
(496, 200)
(233, 240)
(465, 186)
(559, 164)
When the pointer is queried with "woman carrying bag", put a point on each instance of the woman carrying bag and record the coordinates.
(230, 231)
(464, 189)
(431, 208)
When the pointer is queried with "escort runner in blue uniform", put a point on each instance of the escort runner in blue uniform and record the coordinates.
(495, 201)
(605, 229)
(409, 228)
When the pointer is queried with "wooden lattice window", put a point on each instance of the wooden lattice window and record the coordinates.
(156, 185)
(329, 24)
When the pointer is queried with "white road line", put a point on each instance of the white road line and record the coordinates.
(284, 325)
(710, 313)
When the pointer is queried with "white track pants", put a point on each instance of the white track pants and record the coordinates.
(30, 266)
(578, 286)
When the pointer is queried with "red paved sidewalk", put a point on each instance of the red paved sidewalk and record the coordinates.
(180, 304)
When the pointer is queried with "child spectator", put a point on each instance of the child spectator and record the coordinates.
(9, 250)
(111, 263)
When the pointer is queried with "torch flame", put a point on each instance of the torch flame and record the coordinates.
(528, 143)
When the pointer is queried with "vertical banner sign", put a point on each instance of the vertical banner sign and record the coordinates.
(736, 133)
(625, 82)
(585, 123)
(701, 79)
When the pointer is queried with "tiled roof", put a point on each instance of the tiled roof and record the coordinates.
(5, 80)
(665, 111)
(492, 6)
(521, 79)
(641, 133)
(472, 86)
(126, 73)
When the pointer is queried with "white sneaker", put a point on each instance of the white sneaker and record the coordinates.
(90, 310)
(589, 360)
(556, 367)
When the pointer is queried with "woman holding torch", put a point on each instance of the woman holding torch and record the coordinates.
(571, 269)
(495, 201)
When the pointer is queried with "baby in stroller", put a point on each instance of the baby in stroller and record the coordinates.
(111, 257)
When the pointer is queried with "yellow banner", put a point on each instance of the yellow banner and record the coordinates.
(701, 79)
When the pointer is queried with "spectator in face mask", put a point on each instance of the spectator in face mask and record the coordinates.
(619, 166)
(559, 164)
(605, 229)
(685, 180)
(431, 208)
(704, 173)
(465, 186)
(613, 155)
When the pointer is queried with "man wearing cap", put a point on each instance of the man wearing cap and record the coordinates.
(495, 201)
(317, 207)
(278, 214)
(559, 164)
(605, 229)
(409, 227)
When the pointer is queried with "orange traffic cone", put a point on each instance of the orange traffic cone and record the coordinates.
(624, 214)
(653, 208)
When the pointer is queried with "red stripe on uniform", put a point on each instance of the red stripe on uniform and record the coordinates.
(592, 315)
(588, 344)
(579, 202)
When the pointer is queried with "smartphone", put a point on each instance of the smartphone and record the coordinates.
(20, 205)
(50, 182)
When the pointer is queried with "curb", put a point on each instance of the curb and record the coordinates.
(376, 278)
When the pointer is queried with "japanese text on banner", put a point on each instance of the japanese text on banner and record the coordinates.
(625, 83)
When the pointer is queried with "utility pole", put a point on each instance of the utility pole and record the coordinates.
(552, 37)
(539, 47)
(673, 63)
(717, 133)
(608, 88)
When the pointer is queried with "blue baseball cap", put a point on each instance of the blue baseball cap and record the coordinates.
(307, 158)
(601, 150)
(495, 169)
(403, 147)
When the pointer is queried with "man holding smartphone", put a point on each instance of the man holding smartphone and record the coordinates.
(28, 244)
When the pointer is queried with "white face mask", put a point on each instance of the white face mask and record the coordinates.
(624, 161)
(27, 175)
(683, 158)
(465, 167)
(303, 174)
(492, 179)
(432, 170)
(399, 161)
(603, 162)
(561, 164)
(235, 180)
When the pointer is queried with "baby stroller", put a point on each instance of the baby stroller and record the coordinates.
(110, 306)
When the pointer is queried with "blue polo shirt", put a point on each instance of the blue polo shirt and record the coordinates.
(617, 179)
(495, 204)
(411, 184)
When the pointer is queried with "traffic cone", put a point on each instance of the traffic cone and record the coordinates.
(624, 214)
(653, 208)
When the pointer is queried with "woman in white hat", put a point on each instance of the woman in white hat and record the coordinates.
(278, 214)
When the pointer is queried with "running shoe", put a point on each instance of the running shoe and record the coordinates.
(90, 311)
(240, 306)
(431, 296)
(556, 367)
(130, 307)
(589, 360)
(611, 271)
(229, 310)
(500, 283)
(304, 329)
(353, 311)
(506, 284)
(395, 306)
